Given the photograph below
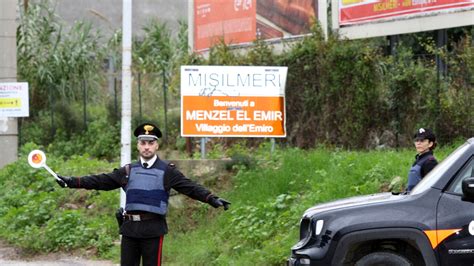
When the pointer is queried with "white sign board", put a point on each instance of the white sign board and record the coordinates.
(233, 101)
(14, 101)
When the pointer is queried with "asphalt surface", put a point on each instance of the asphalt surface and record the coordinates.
(10, 256)
(61, 262)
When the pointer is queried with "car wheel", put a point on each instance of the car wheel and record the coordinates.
(383, 258)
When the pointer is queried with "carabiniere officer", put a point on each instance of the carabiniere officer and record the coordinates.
(147, 183)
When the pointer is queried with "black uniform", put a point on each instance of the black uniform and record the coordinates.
(144, 237)
(144, 224)
(428, 165)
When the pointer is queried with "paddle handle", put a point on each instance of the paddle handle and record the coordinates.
(51, 172)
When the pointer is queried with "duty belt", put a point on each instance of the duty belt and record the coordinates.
(140, 217)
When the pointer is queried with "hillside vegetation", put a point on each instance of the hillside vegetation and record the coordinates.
(349, 93)
(268, 191)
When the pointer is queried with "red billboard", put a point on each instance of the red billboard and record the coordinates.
(230, 21)
(243, 21)
(361, 11)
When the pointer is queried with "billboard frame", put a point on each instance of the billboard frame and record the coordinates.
(322, 19)
(402, 25)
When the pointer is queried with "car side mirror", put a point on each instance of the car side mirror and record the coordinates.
(468, 189)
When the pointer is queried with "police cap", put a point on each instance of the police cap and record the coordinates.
(425, 133)
(147, 131)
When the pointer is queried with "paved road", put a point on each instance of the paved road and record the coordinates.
(9, 256)
(61, 262)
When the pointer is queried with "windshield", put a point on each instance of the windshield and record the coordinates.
(439, 170)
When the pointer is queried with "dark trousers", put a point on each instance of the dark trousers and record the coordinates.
(147, 249)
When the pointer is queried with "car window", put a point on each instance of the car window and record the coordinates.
(467, 171)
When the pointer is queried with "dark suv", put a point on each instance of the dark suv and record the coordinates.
(433, 225)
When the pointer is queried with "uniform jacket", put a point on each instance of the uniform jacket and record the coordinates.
(428, 165)
(423, 164)
(173, 178)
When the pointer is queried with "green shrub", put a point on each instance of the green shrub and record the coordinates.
(39, 216)
(268, 201)
(100, 140)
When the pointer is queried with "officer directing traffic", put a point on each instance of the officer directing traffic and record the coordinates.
(147, 183)
(425, 143)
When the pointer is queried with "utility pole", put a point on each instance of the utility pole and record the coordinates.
(441, 73)
(125, 153)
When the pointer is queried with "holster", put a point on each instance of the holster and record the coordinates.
(119, 216)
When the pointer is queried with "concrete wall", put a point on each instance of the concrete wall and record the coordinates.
(8, 9)
(8, 126)
(106, 15)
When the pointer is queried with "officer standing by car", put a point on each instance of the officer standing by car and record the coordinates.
(147, 183)
(425, 143)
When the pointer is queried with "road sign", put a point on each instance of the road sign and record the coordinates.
(233, 101)
(14, 101)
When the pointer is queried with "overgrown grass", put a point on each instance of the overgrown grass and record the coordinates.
(268, 201)
(268, 198)
(39, 216)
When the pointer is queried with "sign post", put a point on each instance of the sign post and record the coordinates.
(125, 133)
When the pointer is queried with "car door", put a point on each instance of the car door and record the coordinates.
(455, 222)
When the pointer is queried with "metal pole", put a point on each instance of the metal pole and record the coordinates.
(51, 106)
(20, 123)
(110, 74)
(84, 89)
(125, 141)
(203, 148)
(112, 82)
(140, 96)
(165, 102)
(441, 71)
(191, 25)
(323, 17)
(115, 101)
(394, 40)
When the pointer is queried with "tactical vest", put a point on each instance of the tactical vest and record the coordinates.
(145, 189)
(414, 175)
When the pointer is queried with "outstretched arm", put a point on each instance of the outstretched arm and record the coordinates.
(106, 181)
(176, 180)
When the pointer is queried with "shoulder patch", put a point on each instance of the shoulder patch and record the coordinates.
(172, 165)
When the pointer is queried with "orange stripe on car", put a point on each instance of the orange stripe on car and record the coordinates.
(437, 236)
